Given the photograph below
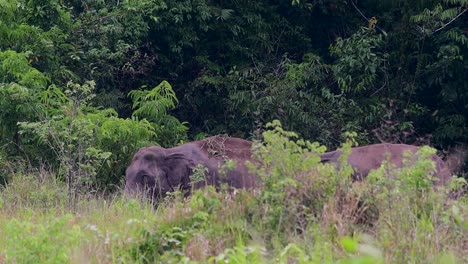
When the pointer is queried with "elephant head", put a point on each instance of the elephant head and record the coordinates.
(156, 171)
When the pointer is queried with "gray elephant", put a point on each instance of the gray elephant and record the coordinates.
(155, 171)
(366, 158)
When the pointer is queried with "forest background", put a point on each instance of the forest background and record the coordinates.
(83, 84)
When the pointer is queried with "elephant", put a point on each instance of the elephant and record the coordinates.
(366, 158)
(155, 170)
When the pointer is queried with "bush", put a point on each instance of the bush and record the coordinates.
(295, 185)
(199, 227)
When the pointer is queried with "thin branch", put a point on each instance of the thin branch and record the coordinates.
(367, 19)
(378, 90)
(451, 21)
(359, 11)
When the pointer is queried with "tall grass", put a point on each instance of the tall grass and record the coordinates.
(305, 212)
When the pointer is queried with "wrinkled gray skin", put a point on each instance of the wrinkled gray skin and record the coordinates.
(155, 171)
(366, 158)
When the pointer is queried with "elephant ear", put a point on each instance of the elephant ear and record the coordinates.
(176, 155)
(329, 157)
(179, 168)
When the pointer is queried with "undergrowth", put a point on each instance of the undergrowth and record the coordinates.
(304, 212)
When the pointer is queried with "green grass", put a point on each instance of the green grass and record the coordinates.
(226, 228)
(305, 212)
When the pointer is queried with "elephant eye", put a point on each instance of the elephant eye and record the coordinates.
(147, 179)
(144, 179)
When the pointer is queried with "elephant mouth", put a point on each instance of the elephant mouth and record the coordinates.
(154, 187)
(160, 189)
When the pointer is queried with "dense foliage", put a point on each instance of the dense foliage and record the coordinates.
(258, 60)
(391, 71)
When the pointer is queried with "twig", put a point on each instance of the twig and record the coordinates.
(453, 19)
(368, 20)
(378, 90)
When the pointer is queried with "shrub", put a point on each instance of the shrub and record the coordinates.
(295, 186)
